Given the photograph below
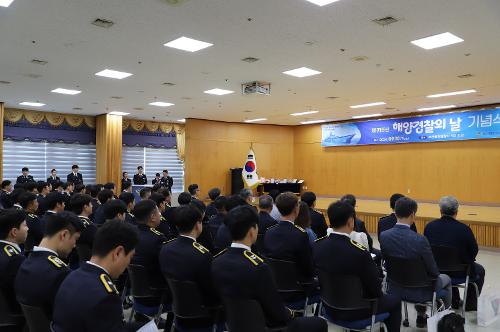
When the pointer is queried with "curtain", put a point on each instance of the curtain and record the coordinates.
(109, 149)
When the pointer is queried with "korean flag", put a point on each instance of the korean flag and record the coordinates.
(249, 173)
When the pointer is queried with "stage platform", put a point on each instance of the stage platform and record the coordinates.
(483, 220)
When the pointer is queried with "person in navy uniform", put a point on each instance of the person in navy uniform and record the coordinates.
(129, 200)
(75, 177)
(184, 258)
(164, 226)
(211, 209)
(41, 274)
(389, 221)
(337, 254)
(166, 180)
(223, 237)
(287, 241)
(25, 177)
(157, 179)
(81, 205)
(5, 201)
(87, 300)
(265, 220)
(448, 231)
(147, 251)
(239, 273)
(103, 197)
(359, 225)
(55, 203)
(217, 220)
(29, 203)
(140, 178)
(125, 179)
(13, 233)
(43, 189)
(318, 222)
(53, 178)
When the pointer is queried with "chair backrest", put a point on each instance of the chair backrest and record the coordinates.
(244, 315)
(343, 292)
(448, 259)
(84, 252)
(7, 317)
(285, 275)
(407, 273)
(187, 301)
(36, 319)
(259, 244)
(139, 281)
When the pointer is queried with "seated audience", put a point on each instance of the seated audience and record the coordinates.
(247, 195)
(238, 273)
(400, 241)
(145, 193)
(448, 231)
(103, 197)
(5, 202)
(318, 222)
(303, 220)
(56, 202)
(389, 221)
(164, 226)
(43, 189)
(115, 209)
(87, 300)
(266, 205)
(129, 200)
(211, 209)
(223, 237)
(218, 218)
(79, 189)
(205, 237)
(29, 204)
(110, 186)
(338, 255)
(41, 274)
(14, 197)
(359, 225)
(274, 212)
(81, 205)
(194, 190)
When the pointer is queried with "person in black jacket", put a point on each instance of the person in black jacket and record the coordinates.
(36, 227)
(75, 177)
(265, 220)
(5, 200)
(389, 221)
(318, 222)
(25, 177)
(125, 180)
(167, 181)
(81, 205)
(53, 178)
(211, 209)
(359, 225)
(140, 178)
(218, 219)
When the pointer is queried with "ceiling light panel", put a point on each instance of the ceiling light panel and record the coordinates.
(436, 41)
(302, 72)
(188, 44)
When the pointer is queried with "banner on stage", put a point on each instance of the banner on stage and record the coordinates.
(455, 126)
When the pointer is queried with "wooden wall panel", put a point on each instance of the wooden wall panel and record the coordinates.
(109, 149)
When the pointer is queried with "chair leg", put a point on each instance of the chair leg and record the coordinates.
(157, 317)
(372, 327)
(406, 322)
(305, 307)
(434, 295)
(132, 312)
(172, 329)
(466, 289)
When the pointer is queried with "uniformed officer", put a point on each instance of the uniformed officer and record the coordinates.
(41, 274)
(140, 178)
(25, 177)
(55, 203)
(239, 273)
(157, 179)
(129, 200)
(75, 177)
(103, 197)
(81, 205)
(166, 180)
(125, 179)
(87, 300)
(29, 203)
(5, 200)
(318, 222)
(289, 242)
(390, 220)
(53, 178)
(337, 254)
(13, 232)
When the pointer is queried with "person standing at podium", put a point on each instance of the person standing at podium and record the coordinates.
(140, 178)
(125, 179)
(75, 177)
(53, 178)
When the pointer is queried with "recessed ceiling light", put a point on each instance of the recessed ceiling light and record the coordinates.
(366, 116)
(303, 113)
(435, 108)
(440, 40)
(39, 62)
(113, 74)
(255, 120)
(181, 120)
(455, 93)
(378, 103)
(118, 113)
(160, 104)
(302, 72)
(218, 92)
(5, 3)
(187, 44)
(66, 91)
(322, 3)
(33, 104)
(313, 121)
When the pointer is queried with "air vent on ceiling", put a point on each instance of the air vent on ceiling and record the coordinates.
(116, 97)
(360, 58)
(103, 23)
(77, 109)
(186, 98)
(465, 76)
(5, 82)
(168, 84)
(247, 111)
(384, 21)
(138, 109)
(33, 75)
(250, 59)
(174, 2)
(39, 62)
(332, 97)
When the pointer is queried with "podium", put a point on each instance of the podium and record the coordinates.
(265, 188)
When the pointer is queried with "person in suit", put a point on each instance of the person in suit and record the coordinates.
(13, 233)
(183, 258)
(211, 209)
(318, 222)
(274, 212)
(247, 195)
(223, 237)
(448, 231)
(81, 205)
(157, 179)
(29, 203)
(239, 273)
(103, 197)
(338, 255)
(43, 189)
(125, 179)
(166, 180)
(45, 265)
(5, 200)
(25, 177)
(401, 241)
(87, 300)
(53, 178)
(389, 221)
(140, 178)
(75, 177)
(303, 220)
(266, 204)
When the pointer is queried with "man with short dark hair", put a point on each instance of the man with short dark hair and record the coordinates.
(7, 188)
(338, 255)
(145, 193)
(53, 178)
(241, 274)
(75, 176)
(223, 237)
(129, 200)
(400, 241)
(13, 233)
(55, 203)
(41, 274)
(81, 205)
(246, 194)
(14, 197)
(318, 222)
(87, 300)
(211, 209)
(164, 226)
(167, 181)
(114, 209)
(218, 219)
(265, 220)
(140, 178)
(359, 225)
(448, 231)
(389, 221)
(110, 186)
(184, 198)
(25, 177)
(194, 190)
(103, 197)
(36, 227)
(43, 189)
(125, 180)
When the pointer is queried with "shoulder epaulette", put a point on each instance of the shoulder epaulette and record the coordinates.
(34, 216)
(130, 214)
(162, 218)
(321, 238)
(220, 252)
(316, 210)
(300, 228)
(168, 241)
(275, 225)
(200, 247)
(156, 231)
(108, 284)
(256, 260)
(10, 250)
(358, 245)
(57, 261)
